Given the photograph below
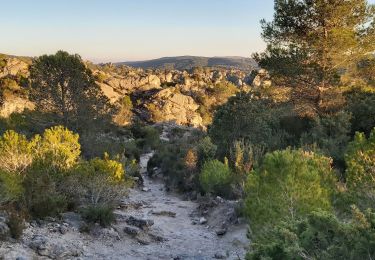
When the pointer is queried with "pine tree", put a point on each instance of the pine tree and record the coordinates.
(311, 44)
(63, 85)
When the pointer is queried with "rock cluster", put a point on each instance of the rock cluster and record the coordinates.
(157, 95)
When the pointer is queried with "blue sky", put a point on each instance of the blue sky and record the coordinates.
(118, 30)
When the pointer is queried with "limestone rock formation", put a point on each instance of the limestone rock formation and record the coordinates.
(170, 105)
(14, 67)
(184, 97)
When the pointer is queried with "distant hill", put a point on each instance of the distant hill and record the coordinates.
(189, 62)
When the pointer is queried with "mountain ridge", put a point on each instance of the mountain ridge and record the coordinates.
(187, 62)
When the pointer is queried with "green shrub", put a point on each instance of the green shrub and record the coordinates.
(59, 146)
(101, 77)
(96, 182)
(132, 151)
(206, 151)
(361, 105)
(288, 185)
(216, 178)
(147, 137)
(319, 236)
(360, 162)
(42, 195)
(100, 214)
(331, 134)
(251, 118)
(9, 83)
(11, 188)
(16, 152)
(16, 225)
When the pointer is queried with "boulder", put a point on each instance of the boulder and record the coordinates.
(133, 231)
(15, 104)
(174, 106)
(15, 66)
(55, 250)
(202, 220)
(109, 92)
(140, 222)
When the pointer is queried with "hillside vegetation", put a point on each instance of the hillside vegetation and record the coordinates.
(289, 149)
(190, 62)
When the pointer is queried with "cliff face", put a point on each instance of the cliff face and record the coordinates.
(186, 98)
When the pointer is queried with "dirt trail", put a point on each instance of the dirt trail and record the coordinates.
(184, 239)
(170, 237)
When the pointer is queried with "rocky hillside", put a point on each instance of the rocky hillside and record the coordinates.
(14, 72)
(189, 62)
(186, 98)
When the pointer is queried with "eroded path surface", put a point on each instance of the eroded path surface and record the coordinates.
(151, 224)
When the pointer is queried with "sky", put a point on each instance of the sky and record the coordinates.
(124, 30)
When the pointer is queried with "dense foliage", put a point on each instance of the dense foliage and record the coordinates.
(323, 52)
(45, 175)
(248, 117)
(63, 85)
(360, 171)
(216, 178)
(320, 236)
(311, 43)
(288, 185)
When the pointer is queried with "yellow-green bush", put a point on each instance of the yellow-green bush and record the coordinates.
(97, 182)
(16, 152)
(111, 168)
(59, 146)
(216, 178)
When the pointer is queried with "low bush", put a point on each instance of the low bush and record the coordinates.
(16, 225)
(147, 137)
(252, 118)
(101, 214)
(59, 147)
(96, 182)
(216, 178)
(16, 152)
(11, 189)
(331, 134)
(42, 195)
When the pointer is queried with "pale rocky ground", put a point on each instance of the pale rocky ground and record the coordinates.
(179, 231)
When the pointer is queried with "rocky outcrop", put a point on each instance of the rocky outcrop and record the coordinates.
(14, 67)
(170, 105)
(157, 95)
(262, 79)
(15, 105)
(110, 92)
